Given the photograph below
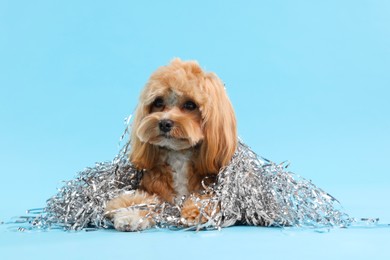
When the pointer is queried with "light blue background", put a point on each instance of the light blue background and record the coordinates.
(309, 81)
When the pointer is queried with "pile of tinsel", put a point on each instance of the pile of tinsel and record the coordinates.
(250, 190)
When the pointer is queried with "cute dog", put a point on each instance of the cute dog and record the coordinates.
(184, 131)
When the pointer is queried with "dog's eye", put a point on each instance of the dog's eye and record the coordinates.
(158, 103)
(189, 105)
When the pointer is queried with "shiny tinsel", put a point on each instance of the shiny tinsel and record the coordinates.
(250, 190)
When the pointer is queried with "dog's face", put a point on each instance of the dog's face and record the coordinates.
(174, 119)
(182, 107)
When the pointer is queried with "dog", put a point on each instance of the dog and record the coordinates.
(184, 131)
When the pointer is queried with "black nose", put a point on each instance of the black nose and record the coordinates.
(165, 125)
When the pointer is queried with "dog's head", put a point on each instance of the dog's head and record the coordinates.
(182, 107)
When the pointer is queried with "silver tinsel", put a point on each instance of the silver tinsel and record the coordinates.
(250, 190)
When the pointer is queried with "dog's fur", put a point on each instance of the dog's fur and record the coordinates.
(184, 129)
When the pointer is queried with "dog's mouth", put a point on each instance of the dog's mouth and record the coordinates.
(167, 136)
(170, 137)
(170, 142)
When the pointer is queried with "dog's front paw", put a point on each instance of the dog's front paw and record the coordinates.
(193, 213)
(198, 210)
(190, 214)
(131, 220)
(125, 213)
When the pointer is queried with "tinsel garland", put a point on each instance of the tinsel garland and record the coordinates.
(250, 190)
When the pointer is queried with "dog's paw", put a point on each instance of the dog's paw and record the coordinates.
(190, 214)
(131, 220)
(198, 210)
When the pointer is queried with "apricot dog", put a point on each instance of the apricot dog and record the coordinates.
(184, 130)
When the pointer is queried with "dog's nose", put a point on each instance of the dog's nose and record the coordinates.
(166, 125)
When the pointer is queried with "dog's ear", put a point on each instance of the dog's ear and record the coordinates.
(219, 127)
(142, 155)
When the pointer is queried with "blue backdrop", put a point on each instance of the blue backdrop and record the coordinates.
(309, 81)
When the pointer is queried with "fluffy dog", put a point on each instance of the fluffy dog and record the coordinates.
(184, 130)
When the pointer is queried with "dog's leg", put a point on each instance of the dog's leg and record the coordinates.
(197, 208)
(128, 218)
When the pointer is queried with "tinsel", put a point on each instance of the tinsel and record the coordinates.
(250, 190)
